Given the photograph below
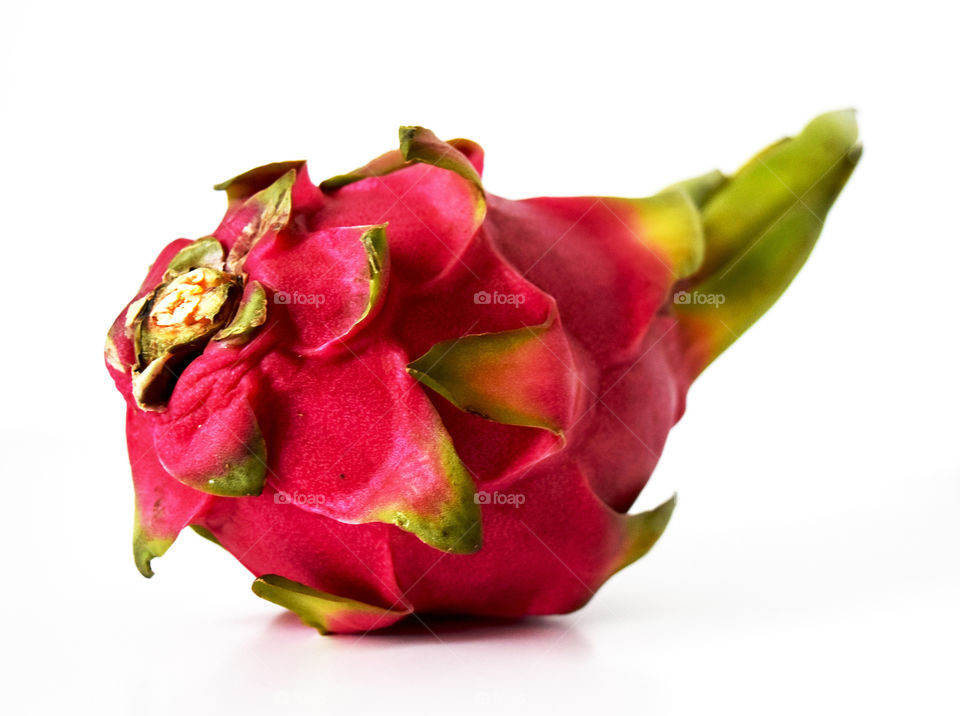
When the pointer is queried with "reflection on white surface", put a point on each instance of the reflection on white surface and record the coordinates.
(789, 618)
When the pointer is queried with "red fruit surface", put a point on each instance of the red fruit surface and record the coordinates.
(445, 401)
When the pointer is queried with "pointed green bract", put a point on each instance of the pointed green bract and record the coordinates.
(242, 478)
(642, 532)
(243, 186)
(202, 253)
(250, 315)
(400, 469)
(146, 547)
(325, 612)
(374, 242)
(753, 282)
(417, 144)
(237, 469)
(452, 526)
(267, 210)
(384, 164)
(780, 227)
(519, 377)
(771, 183)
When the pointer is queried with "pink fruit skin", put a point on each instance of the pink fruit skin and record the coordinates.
(329, 406)
(357, 447)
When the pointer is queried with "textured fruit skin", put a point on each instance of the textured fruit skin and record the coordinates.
(453, 420)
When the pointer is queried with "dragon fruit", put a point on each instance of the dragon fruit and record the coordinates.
(397, 393)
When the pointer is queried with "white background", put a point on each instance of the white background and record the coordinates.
(813, 564)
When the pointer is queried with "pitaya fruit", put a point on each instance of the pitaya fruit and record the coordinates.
(396, 393)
